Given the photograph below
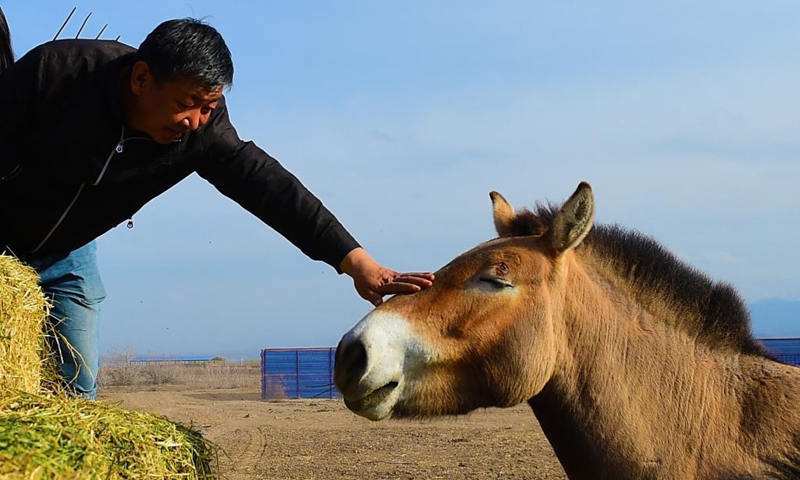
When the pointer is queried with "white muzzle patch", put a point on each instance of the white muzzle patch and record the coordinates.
(392, 349)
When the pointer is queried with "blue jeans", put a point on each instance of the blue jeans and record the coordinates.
(72, 284)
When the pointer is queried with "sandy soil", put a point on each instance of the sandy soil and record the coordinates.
(321, 439)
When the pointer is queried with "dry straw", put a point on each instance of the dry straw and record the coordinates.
(22, 342)
(46, 435)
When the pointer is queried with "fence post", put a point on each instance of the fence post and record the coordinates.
(263, 374)
(330, 378)
(297, 371)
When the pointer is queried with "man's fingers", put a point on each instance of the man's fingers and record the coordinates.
(398, 287)
(428, 275)
(423, 280)
(393, 283)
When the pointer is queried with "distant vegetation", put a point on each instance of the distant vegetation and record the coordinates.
(124, 369)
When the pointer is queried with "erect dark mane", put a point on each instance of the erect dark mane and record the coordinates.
(713, 311)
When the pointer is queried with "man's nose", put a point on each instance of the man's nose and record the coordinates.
(192, 120)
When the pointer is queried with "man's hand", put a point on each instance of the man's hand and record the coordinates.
(372, 280)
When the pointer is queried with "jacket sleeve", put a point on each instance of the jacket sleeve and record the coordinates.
(245, 173)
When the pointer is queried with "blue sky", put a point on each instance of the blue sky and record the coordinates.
(402, 116)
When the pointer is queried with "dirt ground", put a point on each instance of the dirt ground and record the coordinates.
(321, 439)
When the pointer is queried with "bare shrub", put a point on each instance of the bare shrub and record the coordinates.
(161, 374)
(118, 369)
(273, 389)
(117, 376)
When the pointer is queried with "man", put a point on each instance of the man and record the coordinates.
(92, 130)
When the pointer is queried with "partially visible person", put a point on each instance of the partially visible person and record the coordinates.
(91, 130)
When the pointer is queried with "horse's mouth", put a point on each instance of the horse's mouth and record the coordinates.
(373, 405)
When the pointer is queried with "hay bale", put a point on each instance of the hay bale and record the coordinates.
(55, 437)
(22, 323)
(46, 435)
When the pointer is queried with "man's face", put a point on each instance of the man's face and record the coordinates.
(167, 110)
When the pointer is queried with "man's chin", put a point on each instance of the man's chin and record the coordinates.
(166, 136)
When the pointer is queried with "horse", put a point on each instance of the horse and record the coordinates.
(635, 364)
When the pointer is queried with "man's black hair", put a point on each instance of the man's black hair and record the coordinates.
(6, 53)
(188, 48)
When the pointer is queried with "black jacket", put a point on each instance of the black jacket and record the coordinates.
(70, 170)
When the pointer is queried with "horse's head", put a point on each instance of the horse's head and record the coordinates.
(483, 335)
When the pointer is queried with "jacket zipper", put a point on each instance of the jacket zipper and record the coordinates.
(117, 149)
(13, 173)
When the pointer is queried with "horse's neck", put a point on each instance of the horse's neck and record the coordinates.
(632, 397)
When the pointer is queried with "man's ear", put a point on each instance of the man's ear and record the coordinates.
(141, 77)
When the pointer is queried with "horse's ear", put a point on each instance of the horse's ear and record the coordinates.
(574, 220)
(503, 214)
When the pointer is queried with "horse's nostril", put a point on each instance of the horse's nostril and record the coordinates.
(351, 360)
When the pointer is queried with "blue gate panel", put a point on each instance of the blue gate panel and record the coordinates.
(785, 349)
(298, 373)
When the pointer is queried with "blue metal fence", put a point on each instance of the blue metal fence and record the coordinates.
(308, 372)
(785, 349)
(298, 373)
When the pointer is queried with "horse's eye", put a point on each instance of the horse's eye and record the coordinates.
(498, 283)
(501, 269)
